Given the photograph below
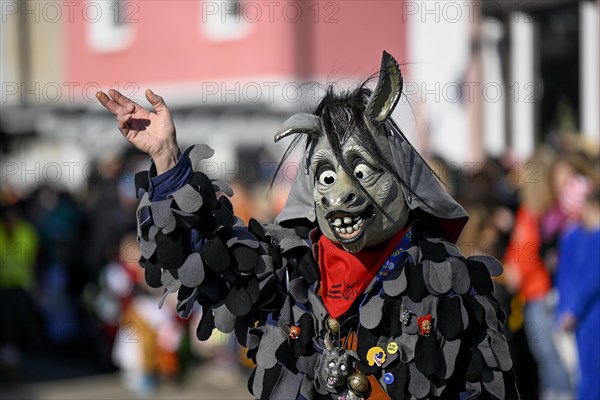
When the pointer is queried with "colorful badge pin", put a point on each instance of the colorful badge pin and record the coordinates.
(375, 356)
(425, 325)
(295, 332)
(392, 348)
(388, 378)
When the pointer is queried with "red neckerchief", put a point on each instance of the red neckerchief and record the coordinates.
(344, 275)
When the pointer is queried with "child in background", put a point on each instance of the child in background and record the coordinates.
(578, 281)
(148, 338)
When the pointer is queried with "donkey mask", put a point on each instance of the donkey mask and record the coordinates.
(362, 178)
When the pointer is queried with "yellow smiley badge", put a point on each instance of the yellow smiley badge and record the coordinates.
(392, 348)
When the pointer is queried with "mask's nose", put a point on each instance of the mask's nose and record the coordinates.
(347, 199)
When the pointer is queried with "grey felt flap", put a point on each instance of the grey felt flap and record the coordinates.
(271, 340)
(371, 312)
(299, 290)
(440, 276)
(500, 348)
(406, 346)
(426, 269)
(238, 236)
(447, 358)
(162, 299)
(291, 242)
(307, 389)
(461, 282)
(186, 306)
(415, 253)
(418, 384)
(257, 385)
(252, 341)
(144, 203)
(463, 313)
(224, 319)
(297, 313)
(148, 247)
(285, 314)
(221, 186)
(197, 153)
(191, 272)
(317, 308)
(451, 249)
(474, 389)
(396, 283)
(493, 381)
(437, 386)
(288, 385)
(163, 216)
(494, 266)
(169, 282)
(307, 364)
(264, 266)
(187, 199)
(490, 312)
(486, 351)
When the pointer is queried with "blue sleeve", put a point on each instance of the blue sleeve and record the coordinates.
(160, 186)
(168, 182)
(564, 275)
(587, 291)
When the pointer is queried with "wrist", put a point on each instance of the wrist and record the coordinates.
(166, 158)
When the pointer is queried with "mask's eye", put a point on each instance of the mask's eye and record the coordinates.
(362, 171)
(331, 365)
(343, 367)
(327, 176)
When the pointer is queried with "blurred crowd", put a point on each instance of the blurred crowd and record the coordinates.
(70, 285)
(541, 218)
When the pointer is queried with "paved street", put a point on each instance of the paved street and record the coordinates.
(202, 383)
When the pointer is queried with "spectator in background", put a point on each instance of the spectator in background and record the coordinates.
(578, 281)
(527, 274)
(148, 338)
(18, 253)
(570, 184)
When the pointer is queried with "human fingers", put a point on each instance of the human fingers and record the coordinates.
(119, 98)
(109, 103)
(157, 102)
(123, 121)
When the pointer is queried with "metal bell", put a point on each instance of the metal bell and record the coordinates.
(358, 383)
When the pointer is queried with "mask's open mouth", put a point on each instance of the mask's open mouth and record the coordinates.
(332, 380)
(349, 227)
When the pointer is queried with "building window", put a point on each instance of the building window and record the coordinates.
(223, 20)
(110, 24)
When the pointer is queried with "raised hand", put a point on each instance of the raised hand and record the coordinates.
(150, 132)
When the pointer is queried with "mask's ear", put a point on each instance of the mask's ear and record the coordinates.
(353, 354)
(309, 124)
(386, 93)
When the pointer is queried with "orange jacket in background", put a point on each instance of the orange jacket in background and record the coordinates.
(523, 255)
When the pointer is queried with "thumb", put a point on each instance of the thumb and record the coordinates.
(157, 102)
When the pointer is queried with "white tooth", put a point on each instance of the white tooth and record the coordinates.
(337, 222)
(343, 230)
(355, 226)
(356, 218)
(347, 220)
(337, 229)
(349, 229)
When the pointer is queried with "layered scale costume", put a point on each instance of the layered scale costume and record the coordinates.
(324, 312)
